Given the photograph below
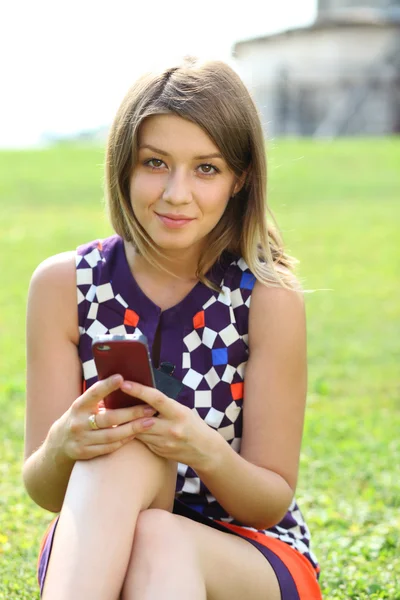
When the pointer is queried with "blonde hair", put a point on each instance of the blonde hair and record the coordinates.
(213, 96)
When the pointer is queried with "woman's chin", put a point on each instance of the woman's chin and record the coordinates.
(177, 244)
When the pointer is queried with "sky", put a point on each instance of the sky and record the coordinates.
(65, 66)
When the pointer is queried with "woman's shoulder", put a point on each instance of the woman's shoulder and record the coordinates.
(57, 270)
(57, 273)
(52, 295)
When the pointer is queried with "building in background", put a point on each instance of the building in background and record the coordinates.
(340, 76)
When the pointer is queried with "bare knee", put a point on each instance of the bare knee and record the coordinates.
(163, 559)
(133, 467)
(161, 536)
(155, 529)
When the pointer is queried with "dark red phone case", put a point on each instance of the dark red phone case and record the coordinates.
(127, 356)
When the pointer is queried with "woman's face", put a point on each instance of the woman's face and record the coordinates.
(180, 185)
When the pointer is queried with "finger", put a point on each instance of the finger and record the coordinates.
(159, 401)
(116, 434)
(103, 449)
(118, 416)
(95, 394)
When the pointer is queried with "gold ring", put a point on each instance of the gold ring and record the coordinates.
(93, 422)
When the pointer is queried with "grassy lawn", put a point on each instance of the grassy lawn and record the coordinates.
(338, 205)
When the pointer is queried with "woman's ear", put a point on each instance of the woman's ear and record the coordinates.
(240, 181)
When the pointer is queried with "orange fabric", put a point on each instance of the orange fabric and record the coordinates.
(237, 390)
(44, 540)
(300, 568)
(198, 320)
(131, 318)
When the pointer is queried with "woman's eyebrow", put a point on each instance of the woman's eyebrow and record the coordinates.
(200, 157)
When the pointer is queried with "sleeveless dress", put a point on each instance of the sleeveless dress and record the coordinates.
(205, 337)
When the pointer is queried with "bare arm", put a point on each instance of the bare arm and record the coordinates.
(56, 429)
(257, 486)
(53, 376)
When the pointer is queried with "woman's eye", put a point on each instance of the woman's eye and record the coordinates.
(207, 169)
(155, 163)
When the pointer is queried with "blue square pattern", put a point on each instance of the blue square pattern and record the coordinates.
(220, 356)
(247, 282)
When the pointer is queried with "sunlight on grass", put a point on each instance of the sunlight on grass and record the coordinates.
(338, 208)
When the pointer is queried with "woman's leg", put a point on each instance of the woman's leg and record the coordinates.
(93, 539)
(174, 558)
(164, 563)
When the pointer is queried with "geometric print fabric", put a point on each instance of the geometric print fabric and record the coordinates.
(211, 361)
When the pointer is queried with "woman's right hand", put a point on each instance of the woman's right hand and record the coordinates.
(79, 441)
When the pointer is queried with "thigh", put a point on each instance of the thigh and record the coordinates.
(232, 567)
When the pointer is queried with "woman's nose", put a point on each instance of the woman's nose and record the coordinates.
(177, 189)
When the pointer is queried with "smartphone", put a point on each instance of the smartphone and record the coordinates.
(127, 355)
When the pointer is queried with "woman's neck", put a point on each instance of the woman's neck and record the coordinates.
(179, 265)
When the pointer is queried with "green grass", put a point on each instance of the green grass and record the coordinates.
(338, 205)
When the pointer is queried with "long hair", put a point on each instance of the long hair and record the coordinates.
(211, 95)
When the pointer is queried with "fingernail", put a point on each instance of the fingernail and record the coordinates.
(148, 411)
(127, 386)
(115, 378)
(147, 422)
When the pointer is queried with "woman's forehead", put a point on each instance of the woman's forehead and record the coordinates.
(172, 133)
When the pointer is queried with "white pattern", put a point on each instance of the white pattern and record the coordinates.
(93, 257)
(209, 337)
(233, 411)
(192, 341)
(192, 379)
(232, 315)
(191, 485)
(84, 276)
(227, 432)
(237, 298)
(96, 328)
(89, 369)
(212, 378)
(229, 335)
(94, 307)
(214, 418)
(91, 293)
(241, 369)
(225, 296)
(121, 300)
(203, 398)
(209, 302)
(119, 330)
(236, 444)
(242, 264)
(104, 292)
(228, 374)
(186, 362)
(182, 469)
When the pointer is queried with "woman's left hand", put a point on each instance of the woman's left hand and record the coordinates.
(177, 433)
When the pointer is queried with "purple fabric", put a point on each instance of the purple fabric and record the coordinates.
(286, 583)
(45, 557)
(205, 336)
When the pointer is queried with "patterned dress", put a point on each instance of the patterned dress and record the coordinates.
(205, 337)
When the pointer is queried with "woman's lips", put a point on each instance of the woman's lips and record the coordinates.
(174, 221)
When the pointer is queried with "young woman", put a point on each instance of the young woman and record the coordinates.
(190, 497)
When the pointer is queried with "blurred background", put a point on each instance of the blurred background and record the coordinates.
(325, 75)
